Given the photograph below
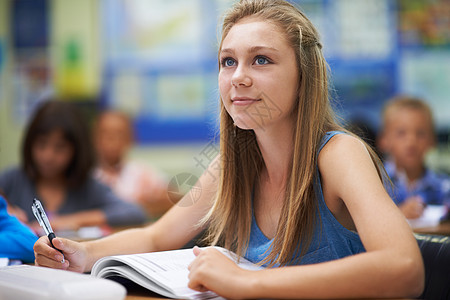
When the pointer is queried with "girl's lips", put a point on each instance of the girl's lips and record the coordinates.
(243, 101)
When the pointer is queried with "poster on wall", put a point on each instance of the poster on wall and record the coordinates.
(360, 45)
(161, 66)
(427, 75)
(424, 37)
(424, 24)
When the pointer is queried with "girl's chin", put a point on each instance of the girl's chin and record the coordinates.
(246, 124)
(48, 174)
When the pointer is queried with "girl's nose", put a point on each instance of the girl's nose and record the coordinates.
(241, 77)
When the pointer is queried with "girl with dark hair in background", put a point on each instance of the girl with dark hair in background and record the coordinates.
(57, 160)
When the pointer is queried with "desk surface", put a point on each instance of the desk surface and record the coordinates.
(441, 229)
(136, 292)
(140, 297)
(151, 298)
(143, 297)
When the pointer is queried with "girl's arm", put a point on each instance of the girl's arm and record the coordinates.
(177, 227)
(391, 267)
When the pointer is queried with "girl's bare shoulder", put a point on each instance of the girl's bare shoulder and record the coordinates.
(341, 147)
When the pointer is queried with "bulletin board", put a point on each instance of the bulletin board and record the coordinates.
(377, 49)
(161, 66)
(424, 67)
(160, 60)
(360, 46)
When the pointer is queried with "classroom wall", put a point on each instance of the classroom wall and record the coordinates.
(10, 130)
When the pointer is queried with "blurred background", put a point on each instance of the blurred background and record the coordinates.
(157, 61)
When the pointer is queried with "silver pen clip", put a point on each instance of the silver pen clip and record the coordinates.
(41, 217)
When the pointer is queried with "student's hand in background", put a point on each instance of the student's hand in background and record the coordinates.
(75, 254)
(412, 207)
(213, 271)
(64, 222)
(59, 223)
(18, 213)
(77, 220)
(154, 198)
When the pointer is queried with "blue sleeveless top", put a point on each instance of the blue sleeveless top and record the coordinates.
(330, 239)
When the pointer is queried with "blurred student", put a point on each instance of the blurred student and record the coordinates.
(57, 160)
(408, 133)
(16, 239)
(134, 182)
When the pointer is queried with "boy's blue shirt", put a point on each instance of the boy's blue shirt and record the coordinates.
(16, 239)
(433, 188)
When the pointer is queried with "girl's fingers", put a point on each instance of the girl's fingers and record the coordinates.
(44, 249)
(192, 264)
(44, 261)
(196, 286)
(197, 250)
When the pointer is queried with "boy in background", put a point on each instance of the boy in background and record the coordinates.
(408, 133)
(113, 137)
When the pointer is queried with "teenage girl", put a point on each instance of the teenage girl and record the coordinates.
(296, 192)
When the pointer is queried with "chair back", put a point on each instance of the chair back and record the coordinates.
(436, 257)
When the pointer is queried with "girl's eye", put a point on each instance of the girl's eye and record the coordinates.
(228, 62)
(261, 60)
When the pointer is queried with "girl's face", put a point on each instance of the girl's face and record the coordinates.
(52, 154)
(258, 74)
(113, 139)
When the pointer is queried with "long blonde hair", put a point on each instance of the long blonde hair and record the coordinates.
(229, 220)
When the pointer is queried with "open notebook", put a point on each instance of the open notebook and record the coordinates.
(164, 272)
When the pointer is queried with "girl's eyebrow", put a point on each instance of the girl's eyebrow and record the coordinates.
(251, 50)
(258, 48)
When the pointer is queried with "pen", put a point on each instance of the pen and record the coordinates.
(41, 216)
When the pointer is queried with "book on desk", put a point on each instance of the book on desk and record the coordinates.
(165, 273)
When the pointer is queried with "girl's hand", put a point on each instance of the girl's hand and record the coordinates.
(75, 254)
(213, 271)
